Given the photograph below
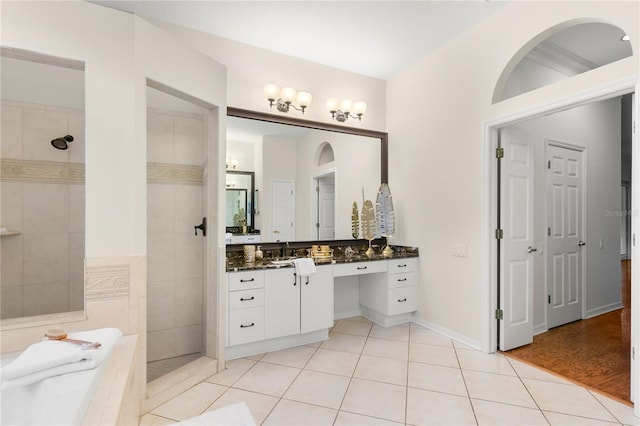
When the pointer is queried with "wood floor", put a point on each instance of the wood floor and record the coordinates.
(594, 352)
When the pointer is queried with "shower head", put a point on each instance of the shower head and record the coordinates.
(61, 143)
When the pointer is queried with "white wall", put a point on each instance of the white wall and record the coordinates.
(278, 163)
(596, 127)
(436, 112)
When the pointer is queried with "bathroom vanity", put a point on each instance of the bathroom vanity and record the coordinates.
(270, 307)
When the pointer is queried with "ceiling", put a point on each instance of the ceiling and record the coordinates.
(372, 38)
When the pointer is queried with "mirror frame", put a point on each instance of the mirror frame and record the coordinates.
(250, 199)
(293, 121)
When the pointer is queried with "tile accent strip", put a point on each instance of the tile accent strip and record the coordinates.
(181, 174)
(41, 171)
(107, 282)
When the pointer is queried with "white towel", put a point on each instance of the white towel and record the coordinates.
(304, 266)
(52, 358)
(232, 415)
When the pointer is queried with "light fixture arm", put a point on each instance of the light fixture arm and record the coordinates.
(283, 106)
(341, 116)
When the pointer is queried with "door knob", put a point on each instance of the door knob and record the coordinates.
(531, 249)
(581, 243)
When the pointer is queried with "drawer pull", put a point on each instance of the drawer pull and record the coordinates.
(244, 299)
(401, 279)
(402, 300)
(247, 326)
(404, 265)
(359, 268)
(247, 281)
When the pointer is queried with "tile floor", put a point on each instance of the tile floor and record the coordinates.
(369, 375)
(161, 367)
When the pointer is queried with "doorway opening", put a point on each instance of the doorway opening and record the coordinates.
(601, 232)
(324, 206)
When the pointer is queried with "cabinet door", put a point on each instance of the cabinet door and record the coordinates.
(281, 303)
(316, 297)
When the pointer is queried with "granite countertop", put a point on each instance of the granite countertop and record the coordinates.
(399, 252)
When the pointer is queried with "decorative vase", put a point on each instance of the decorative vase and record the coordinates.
(249, 254)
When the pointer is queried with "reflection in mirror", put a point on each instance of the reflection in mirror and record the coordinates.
(41, 187)
(566, 53)
(307, 178)
(240, 204)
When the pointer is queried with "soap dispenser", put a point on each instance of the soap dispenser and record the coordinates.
(258, 254)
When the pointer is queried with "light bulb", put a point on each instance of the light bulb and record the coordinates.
(359, 107)
(304, 99)
(332, 105)
(288, 94)
(271, 91)
(345, 105)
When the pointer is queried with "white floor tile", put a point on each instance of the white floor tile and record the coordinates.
(387, 370)
(567, 399)
(622, 412)
(436, 378)
(497, 388)
(334, 362)
(495, 413)
(429, 337)
(431, 354)
(397, 332)
(296, 413)
(558, 419)
(489, 363)
(260, 405)
(297, 356)
(153, 420)
(269, 379)
(190, 403)
(528, 372)
(312, 387)
(351, 419)
(235, 369)
(386, 348)
(433, 408)
(347, 326)
(344, 343)
(376, 400)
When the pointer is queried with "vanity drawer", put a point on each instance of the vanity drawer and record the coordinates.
(359, 268)
(402, 300)
(244, 299)
(246, 326)
(402, 279)
(402, 265)
(246, 280)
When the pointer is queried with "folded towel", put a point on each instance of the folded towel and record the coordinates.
(53, 357)
(304, 266)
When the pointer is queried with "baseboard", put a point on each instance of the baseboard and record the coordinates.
(448, 333)
(603, 309)
(348, 314)
(539, 329)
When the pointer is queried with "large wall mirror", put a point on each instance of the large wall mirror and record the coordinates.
(307, 174)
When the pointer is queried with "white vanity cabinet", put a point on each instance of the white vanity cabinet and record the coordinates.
(389, 299)
(246, 307)
(297, 305)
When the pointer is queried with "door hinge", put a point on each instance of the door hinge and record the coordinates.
(317, 189)
(499, 314)
(499, 153)
(292, 192)
(549, 231)
(317, 225)
(499, 234)
(549, 165)
(549, 299)
(633, 352)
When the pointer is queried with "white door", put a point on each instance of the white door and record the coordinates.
(282, 210)
(516, 248)
(565, 194)
(326, 208)
(316, 300)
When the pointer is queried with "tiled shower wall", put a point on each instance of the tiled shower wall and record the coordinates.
(42, 198)
(175, 203)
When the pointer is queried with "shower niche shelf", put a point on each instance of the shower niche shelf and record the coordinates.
(7, 233)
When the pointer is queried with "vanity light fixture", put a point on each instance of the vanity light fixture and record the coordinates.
(284, 98)
(342, 110)
(231, 163)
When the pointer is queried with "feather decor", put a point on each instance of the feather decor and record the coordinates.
(355, 223)
(385, 215)
(368, 222)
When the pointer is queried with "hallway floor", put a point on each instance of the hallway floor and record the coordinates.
(594, 352)
(366, 375)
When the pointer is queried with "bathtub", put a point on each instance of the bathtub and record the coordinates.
(70, 399)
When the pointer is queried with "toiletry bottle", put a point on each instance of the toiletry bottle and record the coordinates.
(258, 254)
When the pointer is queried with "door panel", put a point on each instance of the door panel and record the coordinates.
(326, 209)
(516, 258)
(565, 217)
(282, 203)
